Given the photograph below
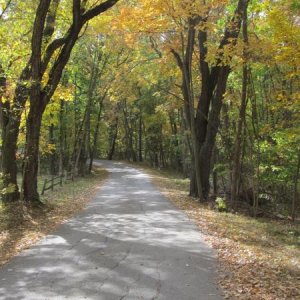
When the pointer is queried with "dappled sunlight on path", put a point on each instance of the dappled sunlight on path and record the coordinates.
(130, 243)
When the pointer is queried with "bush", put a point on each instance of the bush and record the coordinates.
(221, 204)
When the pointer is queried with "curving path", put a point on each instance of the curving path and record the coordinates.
(129, 243)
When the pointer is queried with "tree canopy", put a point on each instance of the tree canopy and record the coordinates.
(207, 88)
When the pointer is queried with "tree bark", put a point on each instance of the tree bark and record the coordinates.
(61, 138)
(140, 138)
(9, 138)
(10, 123)
(96, 133)
(241, 121)
(33, 126)
(113, 142)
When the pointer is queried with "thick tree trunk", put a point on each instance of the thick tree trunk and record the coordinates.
(37, 107)
(33, 126)
(10, 123)
(193, 184)
(206, 151)
(9, 134)
(9, 165)
(11, 128)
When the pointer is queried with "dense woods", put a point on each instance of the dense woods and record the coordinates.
(209, 89)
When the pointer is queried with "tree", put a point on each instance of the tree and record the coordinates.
(204, 125)
(14, 48)
(39, 93)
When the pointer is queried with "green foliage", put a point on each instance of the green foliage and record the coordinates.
(221, 204)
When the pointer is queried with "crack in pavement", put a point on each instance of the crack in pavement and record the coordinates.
(129, 287)
(117, 264)
(159, 284)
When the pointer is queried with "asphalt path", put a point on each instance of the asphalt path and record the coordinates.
(129, 243)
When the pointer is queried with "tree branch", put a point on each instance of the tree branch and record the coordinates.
(52, 47)
(97, 10)
(76, 13)
(178, 59)
(37, 38)
(50, 20)
(5, 8)
(230, 36)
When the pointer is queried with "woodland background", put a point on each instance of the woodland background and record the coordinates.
(209, 89)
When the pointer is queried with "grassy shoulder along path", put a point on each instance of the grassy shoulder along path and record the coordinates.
(20, 228)
(259, 259)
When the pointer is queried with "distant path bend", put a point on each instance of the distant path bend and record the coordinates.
(130, 243)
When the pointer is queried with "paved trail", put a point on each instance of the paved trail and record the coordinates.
(129, 244)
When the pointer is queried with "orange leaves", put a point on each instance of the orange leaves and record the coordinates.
(142, 18)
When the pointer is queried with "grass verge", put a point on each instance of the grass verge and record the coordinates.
(20, 228)
(259, 259)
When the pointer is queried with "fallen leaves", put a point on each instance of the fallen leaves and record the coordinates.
(259, 259)
(21, 228)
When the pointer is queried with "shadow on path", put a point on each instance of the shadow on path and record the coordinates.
(129, 243)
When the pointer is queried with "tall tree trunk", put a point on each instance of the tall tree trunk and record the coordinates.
(9, 138)
(113, 142)
(61, 138)
(185, 64)
(10, 124)
(213, 87)
(96, 133)
(37, 106)
(14, 111)
(33, 126)
(206, 150)
(140, 138)
(241, 121)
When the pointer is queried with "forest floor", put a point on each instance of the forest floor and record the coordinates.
(20, 228)
(259, 258)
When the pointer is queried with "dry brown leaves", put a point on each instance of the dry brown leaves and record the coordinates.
(253, 265)
(20, 228)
